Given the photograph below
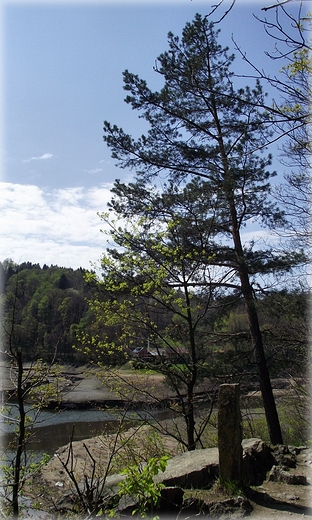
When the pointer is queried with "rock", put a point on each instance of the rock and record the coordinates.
(199, 469)
(126, 506)
(278, 474)
(66, 504)
(257, 461)
(112, 482)
(229, 434)
(171, 499)
(192, 469)
(284, 457)
(237, 507)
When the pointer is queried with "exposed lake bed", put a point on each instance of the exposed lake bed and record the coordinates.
(89, 404)
(87, 407)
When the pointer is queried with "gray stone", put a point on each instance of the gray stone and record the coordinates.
(200, 468)
(238, 507)
(257, 461)
(192, 469)
(278, 474)
(229, 434)
(112, 482)
(284, 457)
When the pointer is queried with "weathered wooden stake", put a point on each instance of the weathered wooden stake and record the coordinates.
(229, 434)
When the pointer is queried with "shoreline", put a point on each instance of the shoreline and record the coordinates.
(83, 389)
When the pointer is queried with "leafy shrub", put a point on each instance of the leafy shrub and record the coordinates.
(139, 483)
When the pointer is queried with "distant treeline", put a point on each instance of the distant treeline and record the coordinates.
(45, 313)
(41, 308)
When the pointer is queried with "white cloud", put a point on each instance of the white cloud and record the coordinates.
(61, 226)
(96, 170)
(53, 227)
(39, 158)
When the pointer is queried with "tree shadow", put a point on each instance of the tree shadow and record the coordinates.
(263, 499)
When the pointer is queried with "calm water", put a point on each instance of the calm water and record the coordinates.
(54, 429)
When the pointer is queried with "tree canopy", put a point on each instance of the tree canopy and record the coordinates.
(201, 126)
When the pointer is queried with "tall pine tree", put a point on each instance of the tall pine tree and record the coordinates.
(201, 126)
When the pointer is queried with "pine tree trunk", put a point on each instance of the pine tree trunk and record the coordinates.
(256, 335)
(263, 372)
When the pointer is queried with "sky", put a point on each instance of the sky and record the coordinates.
(62, 65)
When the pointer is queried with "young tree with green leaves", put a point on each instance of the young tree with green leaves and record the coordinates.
(201, 126)
(159, 288)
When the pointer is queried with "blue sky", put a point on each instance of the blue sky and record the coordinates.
(62, 77)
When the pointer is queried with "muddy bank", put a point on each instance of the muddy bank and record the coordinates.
(88, 387)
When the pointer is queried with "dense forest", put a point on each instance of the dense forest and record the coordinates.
(51, 310)
(42, 306)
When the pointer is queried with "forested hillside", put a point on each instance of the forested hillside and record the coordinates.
(46, 314)
(41, 307)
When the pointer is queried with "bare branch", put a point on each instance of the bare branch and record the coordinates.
(273, 6)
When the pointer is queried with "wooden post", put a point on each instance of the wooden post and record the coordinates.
(230, 434)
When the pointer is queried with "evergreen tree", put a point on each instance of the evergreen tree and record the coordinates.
(200, 125)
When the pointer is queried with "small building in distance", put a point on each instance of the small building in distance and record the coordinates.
(151, 354)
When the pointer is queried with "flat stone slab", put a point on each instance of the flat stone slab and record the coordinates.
(192, 469)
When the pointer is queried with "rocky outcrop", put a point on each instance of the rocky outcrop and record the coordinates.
(286, 468)
(199, 469)
(235, 507)
(193, 469)
(257, 461)
(278, 474)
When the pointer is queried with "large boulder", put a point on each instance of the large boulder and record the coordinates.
(257, 461)
(200, 468)
(192, 469)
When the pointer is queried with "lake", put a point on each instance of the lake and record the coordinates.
(54, 428)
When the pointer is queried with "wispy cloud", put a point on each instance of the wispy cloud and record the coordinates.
(60, 226)
(39, 158)
(95, 170)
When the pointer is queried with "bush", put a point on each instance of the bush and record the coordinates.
(139, 483)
